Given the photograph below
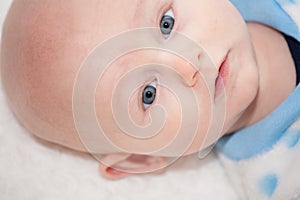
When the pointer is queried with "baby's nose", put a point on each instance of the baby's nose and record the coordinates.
(188, 72)
(186, 69)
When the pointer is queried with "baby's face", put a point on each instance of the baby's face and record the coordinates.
(45, 43)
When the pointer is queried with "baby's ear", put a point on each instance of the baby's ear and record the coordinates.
(116, 166)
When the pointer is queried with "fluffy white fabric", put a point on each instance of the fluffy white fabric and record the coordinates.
(32, 169)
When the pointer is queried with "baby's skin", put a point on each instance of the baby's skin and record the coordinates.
(45, 42)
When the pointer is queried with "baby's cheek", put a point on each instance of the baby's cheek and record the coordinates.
(190, 113)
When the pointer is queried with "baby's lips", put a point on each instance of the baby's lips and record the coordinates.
(117, 166)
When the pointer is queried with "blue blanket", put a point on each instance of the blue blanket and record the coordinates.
(263, 160)
(283, 15)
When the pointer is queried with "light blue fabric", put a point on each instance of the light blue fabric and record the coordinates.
(268, 184)
(269, 12)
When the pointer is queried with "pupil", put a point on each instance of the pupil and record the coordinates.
(149, 94)
(166, 25)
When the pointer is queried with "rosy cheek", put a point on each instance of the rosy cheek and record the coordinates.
(168, 101)
(195, 128)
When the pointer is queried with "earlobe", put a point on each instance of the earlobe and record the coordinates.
(117, 166)
(108, 168)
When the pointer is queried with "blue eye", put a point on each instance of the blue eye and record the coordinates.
(167, 23)
(149, 95)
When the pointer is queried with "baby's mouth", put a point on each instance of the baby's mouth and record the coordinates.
(222, 77)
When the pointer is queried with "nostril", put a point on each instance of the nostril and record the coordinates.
(193, 81)
(195, 76)
(199, 56)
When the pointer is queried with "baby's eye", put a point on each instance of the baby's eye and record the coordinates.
(149, 94)
(167, 23)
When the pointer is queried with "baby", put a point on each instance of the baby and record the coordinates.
(239, 73)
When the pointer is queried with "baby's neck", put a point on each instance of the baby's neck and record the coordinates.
(276, 72)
